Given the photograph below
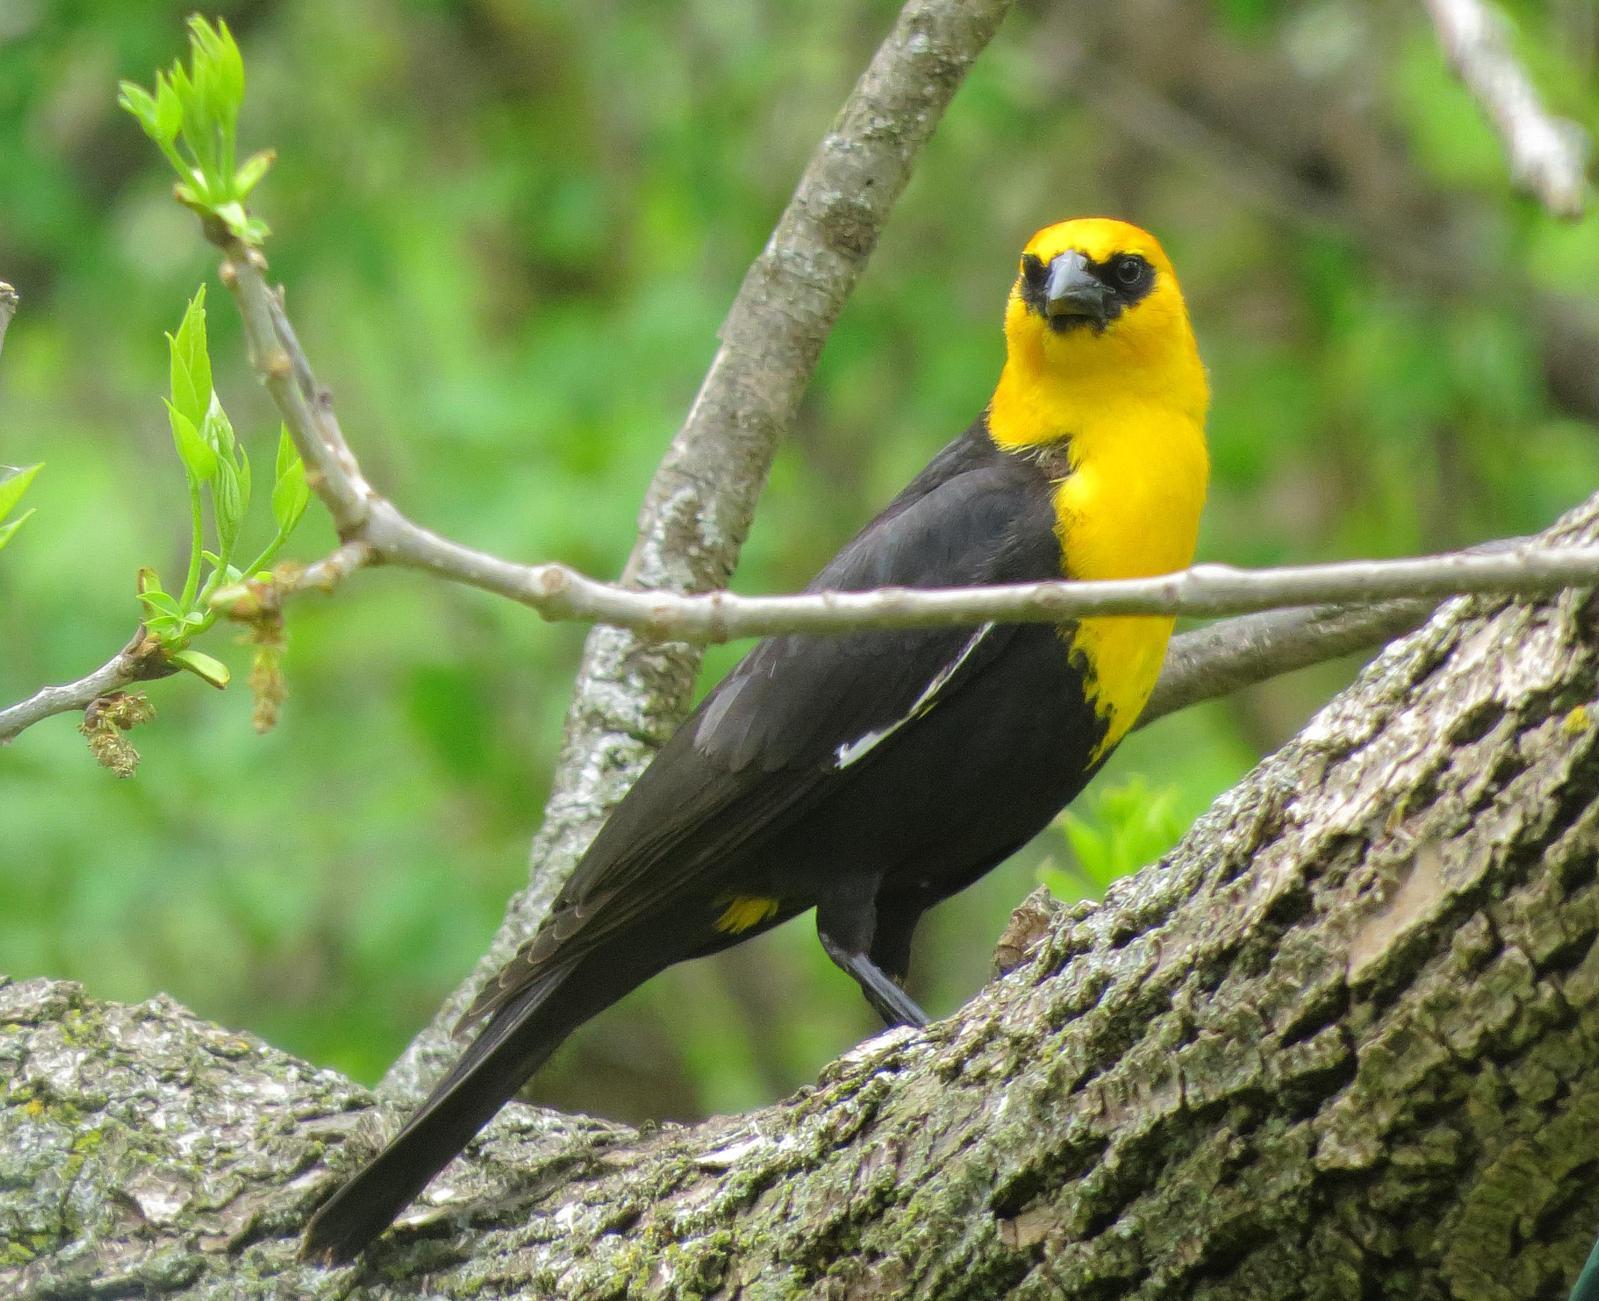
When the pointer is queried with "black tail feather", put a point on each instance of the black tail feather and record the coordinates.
(514, 1043)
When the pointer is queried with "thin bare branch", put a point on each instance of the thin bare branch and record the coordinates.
(8, 308)
(1237, 653)
(1200, 665)
(306, 407)
(1240, 652)
(1206, 591)
(1548, 155)
(138, 661)
(334, 568)
(378, 532)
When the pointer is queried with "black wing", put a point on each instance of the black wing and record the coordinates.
(796, 701)
(801, 714)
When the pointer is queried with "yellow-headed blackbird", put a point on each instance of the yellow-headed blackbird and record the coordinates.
(872, 774)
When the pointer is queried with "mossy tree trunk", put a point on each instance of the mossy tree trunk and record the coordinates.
(1340, 1043)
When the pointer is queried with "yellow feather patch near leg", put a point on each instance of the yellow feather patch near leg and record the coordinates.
(744, 911)
(1123, 656)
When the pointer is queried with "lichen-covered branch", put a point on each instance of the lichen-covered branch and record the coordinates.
(1337, 1044)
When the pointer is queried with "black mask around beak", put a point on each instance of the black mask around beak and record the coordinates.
(1073, 292)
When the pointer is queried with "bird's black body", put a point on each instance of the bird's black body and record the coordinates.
(868, 775)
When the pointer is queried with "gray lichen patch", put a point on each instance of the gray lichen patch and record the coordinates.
(138, 1143)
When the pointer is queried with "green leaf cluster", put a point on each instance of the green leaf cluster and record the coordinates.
(193, 116)
(12, 486)
(217, 469)
(1126, 827)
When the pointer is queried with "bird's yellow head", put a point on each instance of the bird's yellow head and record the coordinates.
(1102, 371)
(1096, 307)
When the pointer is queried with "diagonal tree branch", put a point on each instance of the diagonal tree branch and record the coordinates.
(1200, 665)
(698, 509)
(8, 308)
(1548, 155)
(1236, 653)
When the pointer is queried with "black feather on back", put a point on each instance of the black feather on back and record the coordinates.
(763, 745)
(975, 516)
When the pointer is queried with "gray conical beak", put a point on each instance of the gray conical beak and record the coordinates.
(1074, 290)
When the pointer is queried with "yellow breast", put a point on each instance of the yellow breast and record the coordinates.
(1129, 509)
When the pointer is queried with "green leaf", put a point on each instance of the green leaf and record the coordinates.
(254, 168)
(13, 485)
(198, 458)
(216, 51)
(180, 382)
(7, 530)
(202, 666)
(158, 602)
(235, 218)
(193, 116)
(191, 330)
(138, 101)
(290, 495)
(227, 503)
(1124, 828)
(217, 430)
(167, 627)
(242, 465)
(287, 454)
(244, 482)
(168, 112)
(203, 56)
(191, 362)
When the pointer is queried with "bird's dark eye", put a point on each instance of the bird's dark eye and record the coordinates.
(1033, 269)
(1129, 270)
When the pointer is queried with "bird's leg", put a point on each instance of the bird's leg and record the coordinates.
(845, 924)
(890, 1002)
(897, 917)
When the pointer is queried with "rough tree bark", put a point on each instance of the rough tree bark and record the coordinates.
(1337, 1044)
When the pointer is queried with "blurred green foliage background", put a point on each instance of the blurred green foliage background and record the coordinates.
(508, 230)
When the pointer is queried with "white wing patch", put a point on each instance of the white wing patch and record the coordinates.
(850, 751)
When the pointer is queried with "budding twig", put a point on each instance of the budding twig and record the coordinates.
(139, 661)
